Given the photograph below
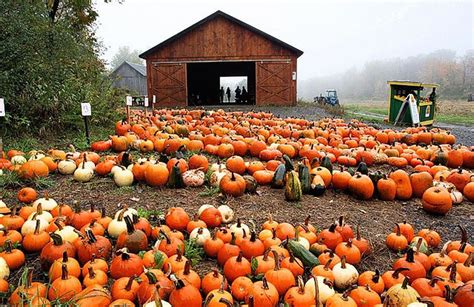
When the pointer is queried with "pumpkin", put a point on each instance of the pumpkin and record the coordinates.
(415, 268)
(233, 185)
(185, 295)
(213, 281)
(437, 200)
(298, 296)
(420, 182)
(236, 266)
(125, 265)
(263, 294)
(404, 188)
(396, 241)
(281, 278)
(73, 267)
(321, 290)
(365, 296)
(125, 288)
(350, 251)
(27, 195)
(13, 257)
(54, 250)
(402, 294)
(177, 218)
(133, 239)
(345, 274)
(201, 235)
(211, 216)
(193, 178)
(92, 246)
(330, 237)
(123, 177)
(464, 296)
(361, 186)
(64, 288)
(387, 188)
(33, 169)
(227, 213)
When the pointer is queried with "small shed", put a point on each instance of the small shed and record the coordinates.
(131, 77)
(191, 63)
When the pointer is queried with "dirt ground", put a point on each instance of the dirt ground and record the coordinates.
(376, 218)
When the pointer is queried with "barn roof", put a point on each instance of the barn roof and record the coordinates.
(230, 18)
(139, 68)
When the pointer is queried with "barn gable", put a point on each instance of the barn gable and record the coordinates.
(214, 34)
(131, 77)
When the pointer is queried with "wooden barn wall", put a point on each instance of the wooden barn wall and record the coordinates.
(129, 79)
(221, 40)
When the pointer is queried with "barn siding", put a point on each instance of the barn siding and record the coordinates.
(127, 78)
(220, 39)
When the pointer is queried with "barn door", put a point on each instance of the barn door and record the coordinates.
(273, 82)
(168, 83)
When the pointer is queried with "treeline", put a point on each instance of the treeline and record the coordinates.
(454, 74)
(49, 64)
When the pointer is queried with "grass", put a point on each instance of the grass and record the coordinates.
(193, 252)
(209, 191)
(12, 180)
(146, 213)
(449, 111)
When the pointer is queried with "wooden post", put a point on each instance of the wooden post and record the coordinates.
(86, 111)
(128, 103)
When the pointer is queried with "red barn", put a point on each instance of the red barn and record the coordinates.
(192, 62)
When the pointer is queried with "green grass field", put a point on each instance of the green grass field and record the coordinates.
(450, 112)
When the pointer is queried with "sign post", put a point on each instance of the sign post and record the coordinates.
(128, 103)
(153, 103)
(2, 115)
(146, 106)
(86, 112)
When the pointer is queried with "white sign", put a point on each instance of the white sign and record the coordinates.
(2, 107)
(427, 111)
(293, 76)
(86, 109)
(129, 100)
(154, 99)
(415, 117)
(146, 101)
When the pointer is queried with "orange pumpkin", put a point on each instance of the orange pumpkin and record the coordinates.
(437, 200)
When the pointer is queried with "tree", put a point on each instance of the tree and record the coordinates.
(49, 64)
(124, 53)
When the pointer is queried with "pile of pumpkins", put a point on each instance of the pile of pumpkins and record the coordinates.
(125, 260)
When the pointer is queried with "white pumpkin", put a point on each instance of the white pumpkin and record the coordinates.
(46, 202)
(157, 302)
(456, 196)
(87, 164)
(239, 228)
(4, 269)
(204, 207)
(417, 304)
(217, 167)
(200, 235)
(117, 226)
(40, 214)
(29, 226)
(83, 173)
(227, 213)
(325, 289)
(18, 160)
(217, 176)
(67, 233)
(123, 177)
(130, 212)
(304, 242)
(345, 274)
(73, 154)
(67, 167)
(193, 178)
(36, 156)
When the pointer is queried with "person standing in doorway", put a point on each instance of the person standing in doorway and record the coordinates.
(227, 92)
(237, 94)
(244, 95)
(221, 94)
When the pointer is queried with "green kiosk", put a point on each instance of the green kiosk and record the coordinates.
(411, 110)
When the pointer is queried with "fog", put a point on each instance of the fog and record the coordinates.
(335, 35)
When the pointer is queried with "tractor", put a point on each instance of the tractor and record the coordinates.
(330, 98)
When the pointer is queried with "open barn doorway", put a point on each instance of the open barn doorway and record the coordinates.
(207, 80)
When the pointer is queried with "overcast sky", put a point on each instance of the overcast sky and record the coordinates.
(334, 35)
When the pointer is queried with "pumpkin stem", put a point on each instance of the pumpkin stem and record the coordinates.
(239, 257)
(452, 273)
(9, 246)
(57, 239)
(91, 272)
(300, 285)
(328, 264)
(277, 260)
(349, 243)
(64, 273)
(251, 304)
(397, 272)
(128, 286)
(39, 209)
(265, 284)
(433, 281)
(179, 283)
(179, 255)
(306, 220)
(398, 229)
(167, 238)
(130, 228)
(358, 237)
(187, 267)
(341, 221)
(343, 262)
(125, 256)
(410, 255)
(316, 291)
(449, 294)
(332, 228)
(37, 226)
(65, 257)
(151, 278)
(376, 276)
(90, 236)
(274, 233)
(253, 236)
(215, 272)
(102, 210)
(122, 212)
(232, 240)
(463, 234)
